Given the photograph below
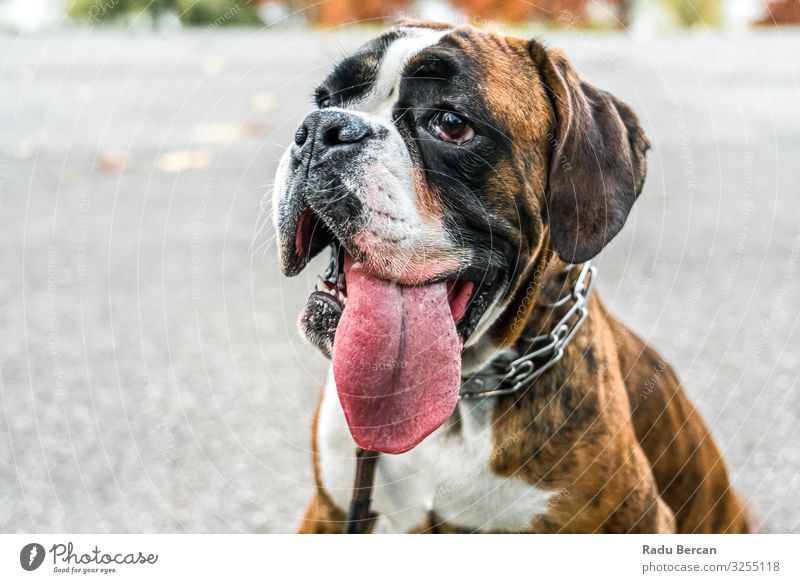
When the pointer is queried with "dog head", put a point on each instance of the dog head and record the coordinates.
(442, 165)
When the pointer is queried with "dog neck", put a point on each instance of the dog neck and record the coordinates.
(513, 315)
(553, 320)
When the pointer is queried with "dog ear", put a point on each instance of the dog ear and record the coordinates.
(597, 164)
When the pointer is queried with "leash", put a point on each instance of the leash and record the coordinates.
(359, 517)
(500, 377)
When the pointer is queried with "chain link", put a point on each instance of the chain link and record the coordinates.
(521, 372)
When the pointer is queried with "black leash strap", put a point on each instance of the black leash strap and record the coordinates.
(359, 517)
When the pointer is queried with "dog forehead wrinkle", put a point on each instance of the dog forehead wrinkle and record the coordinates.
(384, 95)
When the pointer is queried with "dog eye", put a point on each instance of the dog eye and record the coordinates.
(323, 99)
(450, 127)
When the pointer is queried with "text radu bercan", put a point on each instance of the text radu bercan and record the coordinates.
(677, 550)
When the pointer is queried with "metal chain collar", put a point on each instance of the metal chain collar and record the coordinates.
(504, 378)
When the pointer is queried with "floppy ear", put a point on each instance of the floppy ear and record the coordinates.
(597, 164)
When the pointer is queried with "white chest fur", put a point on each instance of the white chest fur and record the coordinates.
(448, 474)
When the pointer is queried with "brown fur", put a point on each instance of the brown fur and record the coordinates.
(686, 463)
(612, 431)
(621, 460)
(609, 428)
(322, 516)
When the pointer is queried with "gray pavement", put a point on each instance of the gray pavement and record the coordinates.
(151, 379)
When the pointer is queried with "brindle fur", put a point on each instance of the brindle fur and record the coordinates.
(609, 429)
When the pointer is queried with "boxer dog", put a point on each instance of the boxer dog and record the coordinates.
(463, 180)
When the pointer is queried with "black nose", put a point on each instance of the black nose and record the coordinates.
(327, 131)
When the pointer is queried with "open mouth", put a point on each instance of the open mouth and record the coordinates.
(395, 349)
(469, 294)
(460, 292)
(311, 235)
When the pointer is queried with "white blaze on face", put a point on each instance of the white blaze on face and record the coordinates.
(385, 93)
(403, 242)
(400, 242)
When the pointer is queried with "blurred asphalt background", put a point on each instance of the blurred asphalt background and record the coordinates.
(151, 378)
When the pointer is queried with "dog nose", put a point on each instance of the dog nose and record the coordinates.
(327, 131)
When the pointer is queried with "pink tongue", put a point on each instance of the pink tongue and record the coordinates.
(396, 361)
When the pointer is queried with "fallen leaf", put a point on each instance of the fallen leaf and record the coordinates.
(213, 65)
(263, 103)
(23, 150)
(218, 133)
(254, 128)
(114, 160)
(183, 160)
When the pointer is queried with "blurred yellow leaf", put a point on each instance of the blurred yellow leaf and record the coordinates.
(114, 160)
(213, 65)
(183, 160)
(24, 150)
(218, 133)
(263, 103)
